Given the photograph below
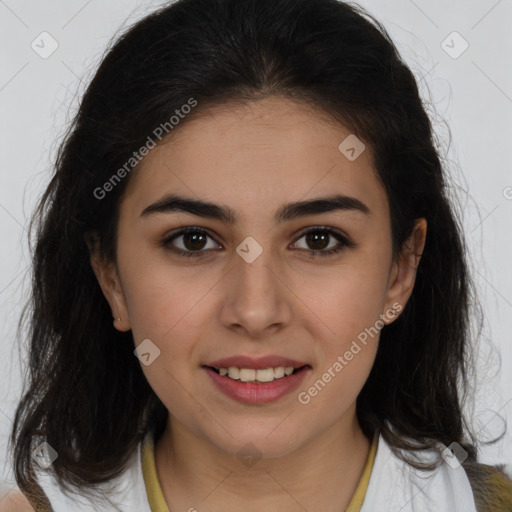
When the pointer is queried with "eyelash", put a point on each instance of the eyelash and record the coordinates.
(344, 241)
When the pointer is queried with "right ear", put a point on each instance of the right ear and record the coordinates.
(108, 278)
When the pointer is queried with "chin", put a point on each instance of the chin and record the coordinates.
(250, 441)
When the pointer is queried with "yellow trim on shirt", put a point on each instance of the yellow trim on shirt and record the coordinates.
(153, 490)
(157, 501)
(357, 500)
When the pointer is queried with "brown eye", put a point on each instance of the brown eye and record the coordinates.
(194, 241)
(322, 241)
(317, 240)
(188, 241)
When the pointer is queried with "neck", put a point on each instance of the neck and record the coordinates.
(320, 475)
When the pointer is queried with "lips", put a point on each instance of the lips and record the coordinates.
(233, 376)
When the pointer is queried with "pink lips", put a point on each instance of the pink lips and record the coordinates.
(257, 392)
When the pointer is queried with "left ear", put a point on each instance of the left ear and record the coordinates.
(403, 271)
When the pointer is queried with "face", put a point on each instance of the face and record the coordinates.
(307, 290)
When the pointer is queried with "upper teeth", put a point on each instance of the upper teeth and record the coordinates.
(248, 374)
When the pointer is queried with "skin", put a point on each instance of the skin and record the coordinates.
(254, 158)
(15, 501)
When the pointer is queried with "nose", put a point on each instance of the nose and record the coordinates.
(258, 301)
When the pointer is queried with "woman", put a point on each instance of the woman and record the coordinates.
(251, 191)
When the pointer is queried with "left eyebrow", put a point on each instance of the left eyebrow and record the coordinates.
(174, 203)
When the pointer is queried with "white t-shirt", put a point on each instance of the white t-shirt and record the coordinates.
(394, 486)
(397, 486)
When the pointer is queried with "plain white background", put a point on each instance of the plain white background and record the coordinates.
(468, 89)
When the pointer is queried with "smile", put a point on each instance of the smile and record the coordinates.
(257, 386)
(252, 375)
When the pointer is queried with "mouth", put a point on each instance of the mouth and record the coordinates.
(262, 375)
(257, 385)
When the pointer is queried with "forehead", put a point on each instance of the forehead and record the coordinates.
(256, 156)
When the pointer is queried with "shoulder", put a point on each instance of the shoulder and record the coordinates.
(492, 489)
(15, 501)
(124, 492)
(415, 480)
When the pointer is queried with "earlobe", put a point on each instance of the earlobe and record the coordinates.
(403, 273)
(118, 306)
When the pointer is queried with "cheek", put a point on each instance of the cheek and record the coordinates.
(164, 308)
(161, 297)
(348, 355)
(347, 301)
(350, 304)
(344, 366)
(335, 389)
